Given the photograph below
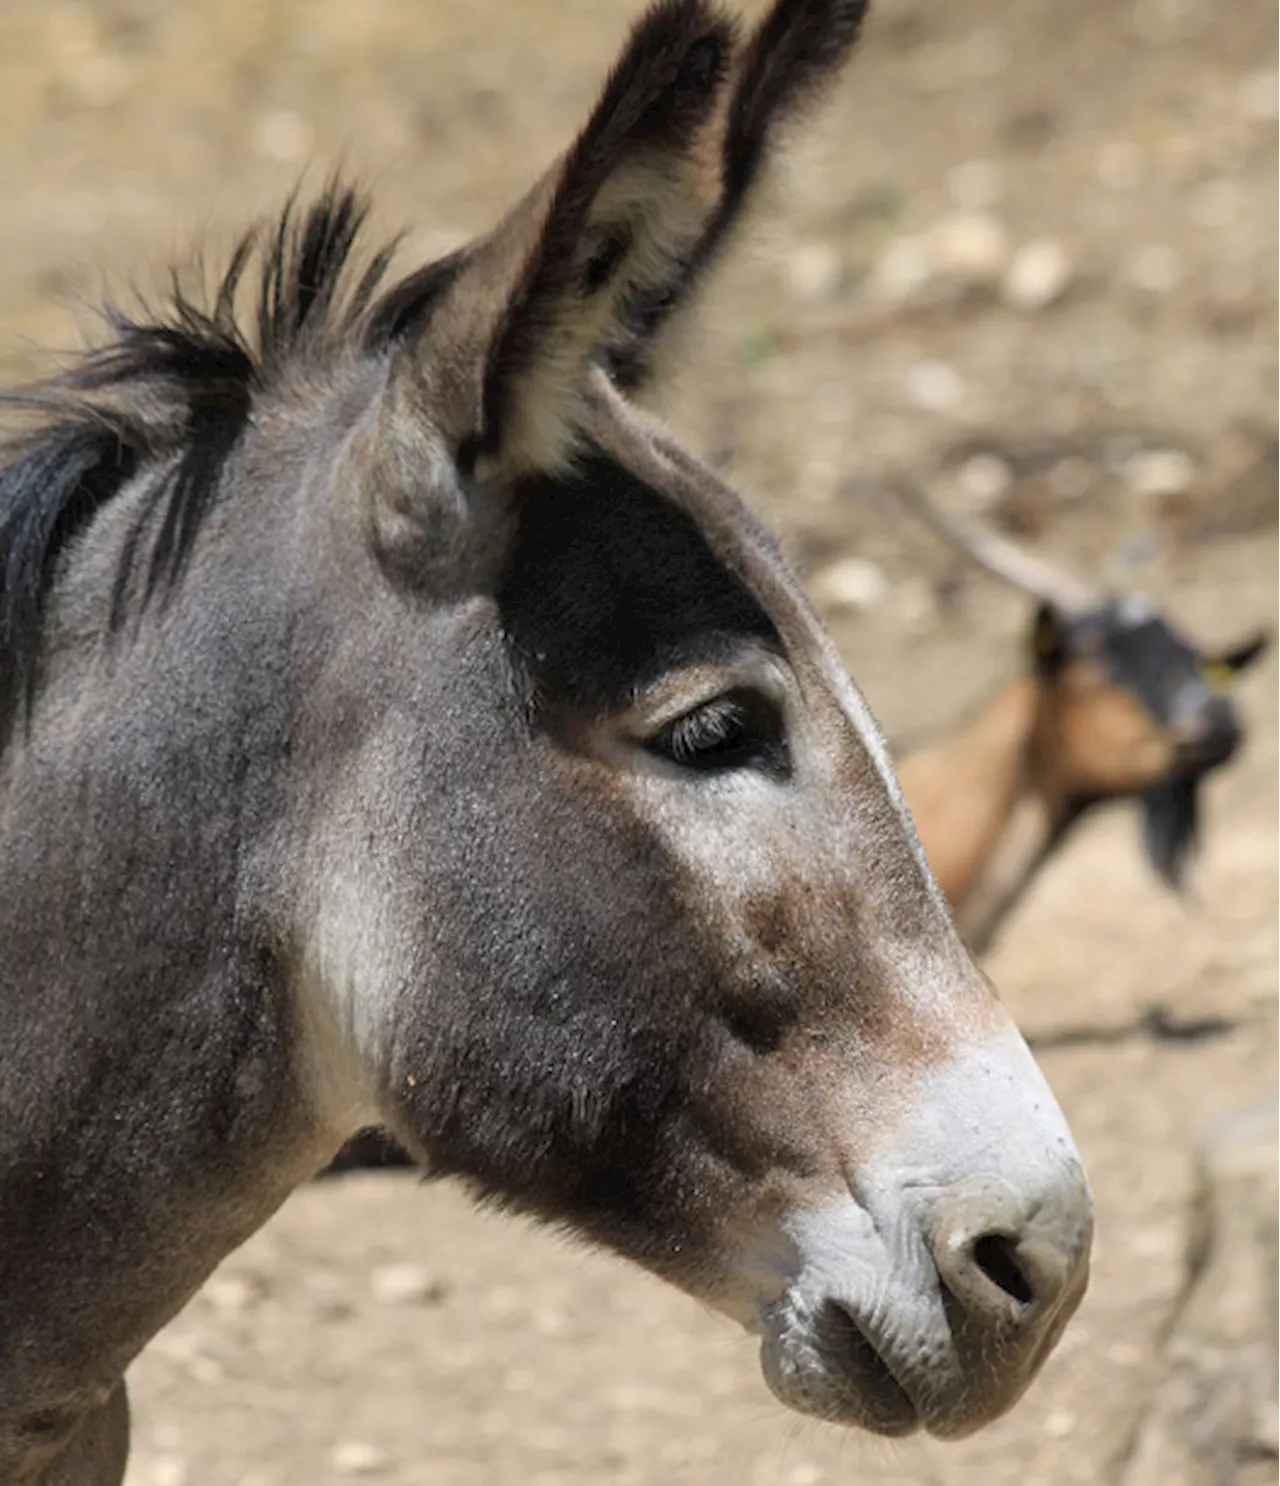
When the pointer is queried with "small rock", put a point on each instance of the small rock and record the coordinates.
(969, 248)
(903, 269)
(100, 79)
(358, 1458)
(1155, 268)
(804, 1474)
(1039, 275)
(1256, 95)
(975, 185)
(230, 1294)
(1070, 478)
(283, 134)
(850, 583)
(935, 385)
(1120, 165)
(813, 270)
(549, 1320)
(165, 1469)
(406, 1284)
(1059, 1423)
(984, 479)
(1160, 472)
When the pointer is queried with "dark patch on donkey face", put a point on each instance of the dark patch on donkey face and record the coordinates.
(610, 585)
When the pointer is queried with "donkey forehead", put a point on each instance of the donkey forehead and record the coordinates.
(610, 582)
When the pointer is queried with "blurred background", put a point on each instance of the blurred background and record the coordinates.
(1026, 258)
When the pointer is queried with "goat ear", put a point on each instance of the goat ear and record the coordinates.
(1222, 668)
(628, 202)
(1048, 640)
(796, 48)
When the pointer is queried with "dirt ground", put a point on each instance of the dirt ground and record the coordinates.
(867, 329)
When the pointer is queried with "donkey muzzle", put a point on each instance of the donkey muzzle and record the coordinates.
(931, 1293)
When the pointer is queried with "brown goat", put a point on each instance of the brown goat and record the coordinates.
(1116, 704)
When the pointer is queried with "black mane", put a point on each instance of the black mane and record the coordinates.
(173, 389)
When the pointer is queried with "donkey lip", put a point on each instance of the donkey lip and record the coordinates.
(828, 1366)
(884, 1402)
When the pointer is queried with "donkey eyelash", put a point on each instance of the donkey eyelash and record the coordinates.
(710, 729)
(731, 731)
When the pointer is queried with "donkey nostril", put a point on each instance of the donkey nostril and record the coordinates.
(996, 1256)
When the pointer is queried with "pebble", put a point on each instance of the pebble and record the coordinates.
(230, 1294)
(984, 479)
(1039, 275)
(1124, 1354)
(99, 80)
(903, 269)
(358, 1458)
(1059, 1423)
(158, 1470)
(1155, 268)
(283, 134)
(813, 270)
(850, 583)
(406, 1284)
(915, 603)
(1160, 472)
(1071, 477)
(935, 385)
(969, 248)
(804, 1474)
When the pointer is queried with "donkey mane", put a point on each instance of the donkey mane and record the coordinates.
(173, 388)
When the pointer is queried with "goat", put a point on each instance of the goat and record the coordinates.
(1115, 704)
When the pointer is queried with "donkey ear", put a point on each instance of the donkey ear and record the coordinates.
(797, 48)
(627, 204)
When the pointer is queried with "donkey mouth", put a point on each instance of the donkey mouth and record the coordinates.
(884, 1405)
(831, 1368)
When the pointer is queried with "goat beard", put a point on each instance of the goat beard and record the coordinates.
(1171, 827)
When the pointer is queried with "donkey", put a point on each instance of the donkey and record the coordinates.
(402, 729)
(1116, 704)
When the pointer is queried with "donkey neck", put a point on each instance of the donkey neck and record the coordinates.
(986, 814)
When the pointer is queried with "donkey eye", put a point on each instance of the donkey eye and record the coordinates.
(738, 730)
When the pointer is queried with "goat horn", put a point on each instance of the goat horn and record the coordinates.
(999, 556)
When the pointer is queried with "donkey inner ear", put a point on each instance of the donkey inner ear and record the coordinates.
(794, 51)
(628, 201)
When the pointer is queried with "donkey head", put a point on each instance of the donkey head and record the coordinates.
(1128, 707)
(673, 969)
(589, 875)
